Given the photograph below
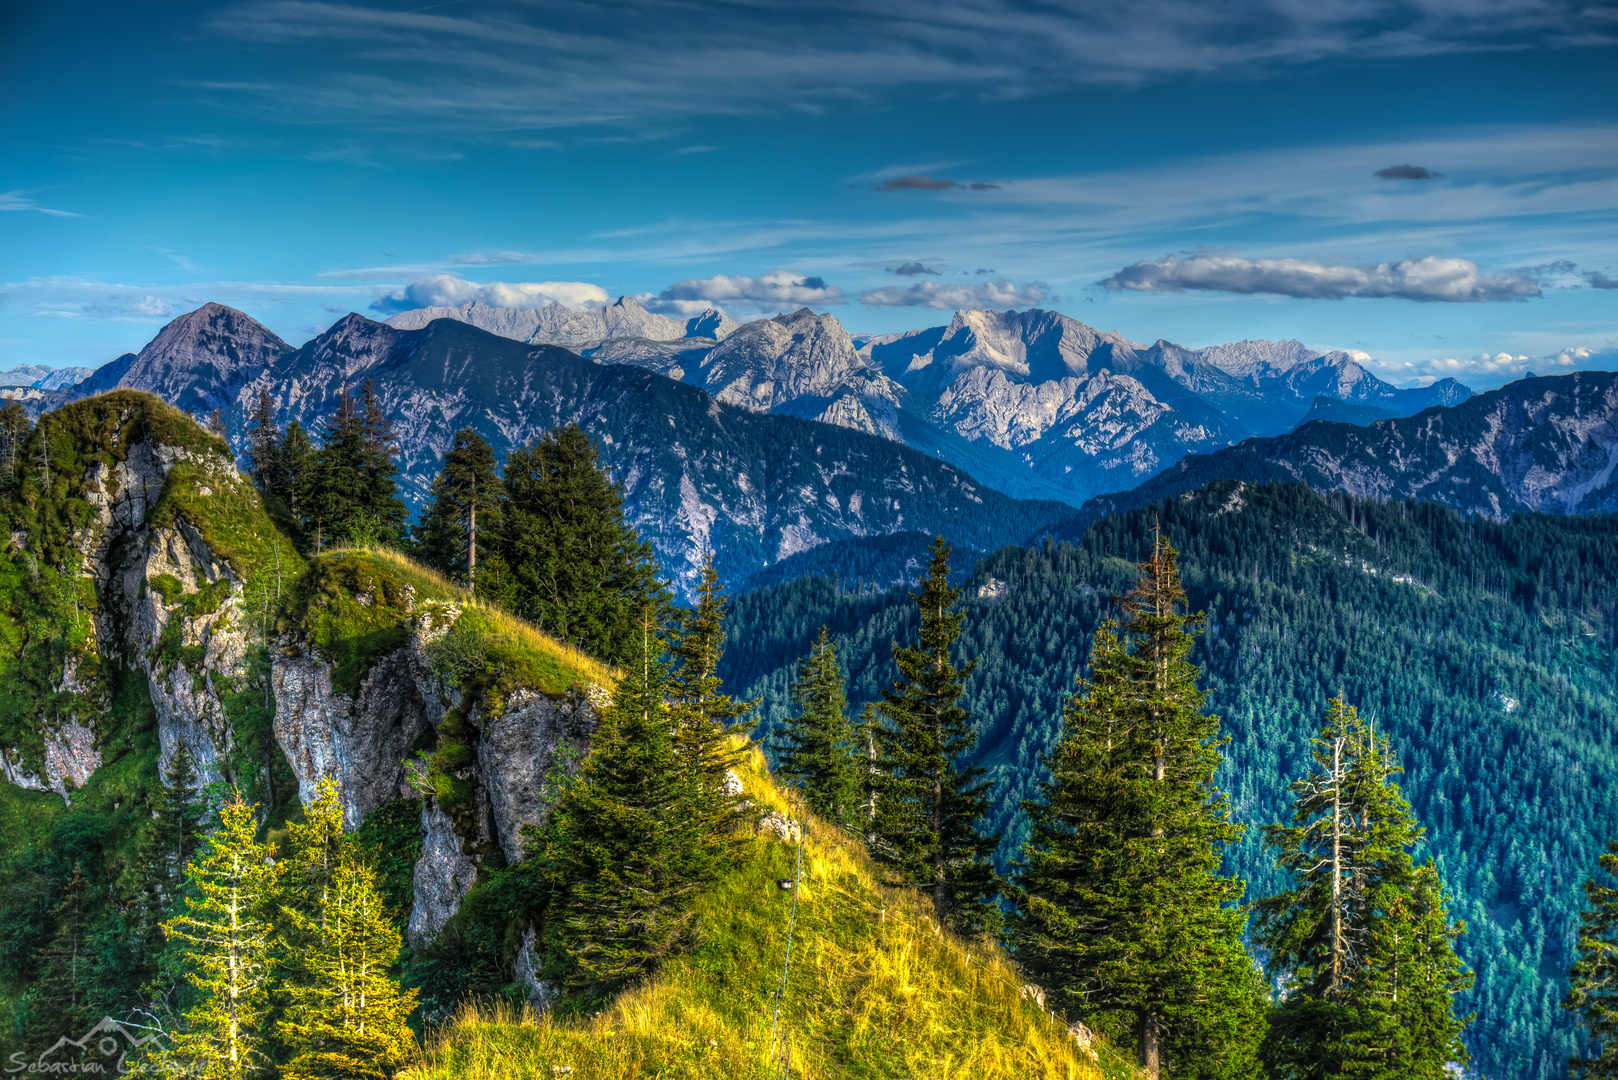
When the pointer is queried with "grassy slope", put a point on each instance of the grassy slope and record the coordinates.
(353, 634)
(873, 991)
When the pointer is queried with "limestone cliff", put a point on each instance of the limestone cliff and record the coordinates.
(143, 567)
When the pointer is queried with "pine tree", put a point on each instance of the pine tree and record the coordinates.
(221, 941)
(1593, 994)
(706, 720)
(928, 802)
(349, 492)
(577, 568)
(172, 842)
(58, 1003)
(1362, 940)
(264, 441)
(14, 429)
(465, 508)
(385, 512)
(346, 1015)
(818, 750)
(297, 459)
(627, 855)
(1121, 912)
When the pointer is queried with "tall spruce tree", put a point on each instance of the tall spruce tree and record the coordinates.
(58, 1004)
(264, 440)
(1122, 914)
(928, 801)
(346, 1015)
(1593, 993)
(14, 429)
(1362, 941)
(296, 459)
(350, 491)
(577, 568)
(818, 751)
(706, 720)
(627, 854)
(172, 842)
(465, 509)
(221, 941)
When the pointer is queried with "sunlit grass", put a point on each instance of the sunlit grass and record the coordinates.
(874, 990)
(494, 619)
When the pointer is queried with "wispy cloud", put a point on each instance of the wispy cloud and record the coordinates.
(553, 64)
(447, 290)
(912, 269)
(80, 297)
(22, 200)
(931, 183)
(999, 293)
(493, 258)
(1408, 172)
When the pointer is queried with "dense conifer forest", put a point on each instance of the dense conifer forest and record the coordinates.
(1486, 651)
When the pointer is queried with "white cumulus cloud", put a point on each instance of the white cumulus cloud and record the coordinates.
(447, 290)
(1487, 370)
(1428, 278)
(999, 293)
(771, 291)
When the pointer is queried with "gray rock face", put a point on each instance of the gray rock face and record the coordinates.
(444, 875)
(362, 741)
(187, 701)
(516, 753)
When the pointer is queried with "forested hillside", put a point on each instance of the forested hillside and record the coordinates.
(1487, 651)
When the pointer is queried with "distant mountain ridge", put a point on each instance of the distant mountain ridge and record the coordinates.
(1033, 403)
(1547, 444)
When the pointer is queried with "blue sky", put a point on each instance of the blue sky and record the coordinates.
(1202, 172)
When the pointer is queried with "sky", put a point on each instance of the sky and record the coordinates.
(1432, 184)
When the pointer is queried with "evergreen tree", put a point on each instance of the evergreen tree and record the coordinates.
(58, 1004)
(296, 459)
(1121, 912)
(1362, 940)
(349, 492)
(465, 508)
(346, 1015)
(385, 512)
(706, 720)
(14, 429)
(627, 855)
(172, 842)
(817, 749)
(1593, 994)
(221, 941)
(928, 802)
(577, 568)
(264, 443)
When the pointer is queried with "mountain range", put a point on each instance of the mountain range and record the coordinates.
(1034, 403)
(699, 475)
(1547, 444)
(763, 440)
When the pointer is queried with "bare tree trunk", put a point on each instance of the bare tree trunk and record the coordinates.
(472, 535)
(1337, 944)
(1149, 1054)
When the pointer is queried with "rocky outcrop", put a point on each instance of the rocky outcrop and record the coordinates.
(361, 742)
(152, 578)
(517, 753)
(444, 874)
